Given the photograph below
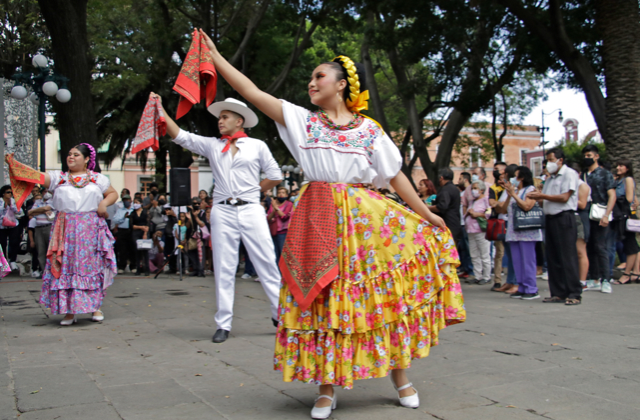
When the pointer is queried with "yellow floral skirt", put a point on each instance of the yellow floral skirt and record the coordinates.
(396, 290)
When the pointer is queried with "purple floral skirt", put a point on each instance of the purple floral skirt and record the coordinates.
(88, 266)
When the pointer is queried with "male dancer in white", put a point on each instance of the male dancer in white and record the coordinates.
(236, 162)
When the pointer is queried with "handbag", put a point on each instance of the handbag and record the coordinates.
(205, 233)
(527, 220)
(633, 225)
(597, 212)
(495, 228)
(144, 244)
(9, 219)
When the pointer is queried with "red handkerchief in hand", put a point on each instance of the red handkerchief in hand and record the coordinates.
(152, 126)
(197, 79)
(23, 179)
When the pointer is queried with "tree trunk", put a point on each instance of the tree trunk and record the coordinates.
(619, 25)
(67, 24)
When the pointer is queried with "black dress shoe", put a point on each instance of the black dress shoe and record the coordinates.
(220, 336)
(275, 322)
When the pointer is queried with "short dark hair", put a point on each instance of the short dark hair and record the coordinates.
(466, 175)
(446, 173)
(153, 184)
(526, 175)
(510, 170)
(4, 189)
(557, 152)
(590, 148)
(499, 163)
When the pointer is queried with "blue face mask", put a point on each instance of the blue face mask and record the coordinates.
(513, 181)
(127, 204)
(292, 199)
(474, 178)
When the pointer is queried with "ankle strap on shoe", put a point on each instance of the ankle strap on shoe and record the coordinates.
(324, 396)
(403, 387)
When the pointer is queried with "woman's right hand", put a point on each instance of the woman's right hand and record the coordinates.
(208, 41)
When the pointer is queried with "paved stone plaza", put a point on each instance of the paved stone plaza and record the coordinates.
(152, 358)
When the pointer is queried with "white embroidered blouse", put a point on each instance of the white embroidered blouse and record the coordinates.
(70, 199)
(361, 155)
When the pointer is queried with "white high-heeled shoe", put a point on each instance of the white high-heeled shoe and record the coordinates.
(412, 401)
(98, 318)
(67, 322)
(324, 412)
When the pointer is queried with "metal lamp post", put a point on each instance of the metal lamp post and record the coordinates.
(43, 84)
(544, 129)
(294, 173)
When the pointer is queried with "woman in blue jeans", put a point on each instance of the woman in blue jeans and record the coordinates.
(280, 214)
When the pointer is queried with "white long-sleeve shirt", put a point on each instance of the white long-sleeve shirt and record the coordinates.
(235, 176)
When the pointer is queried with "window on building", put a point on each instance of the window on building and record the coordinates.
(523, 157)
(536, 166)
(143, 185)
(475, 157)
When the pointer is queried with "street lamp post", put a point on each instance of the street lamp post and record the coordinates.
(43, 84)
(294, 173)
(544, 129)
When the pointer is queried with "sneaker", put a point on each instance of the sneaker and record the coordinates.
(606, 287)
(463, 275)
(35, 274)
(257, 279)
(120, 271)
(518, 295)
(593, 285)
(544, 276)
(245, 276)
(14, 266)
(485, 281)
(530, 296)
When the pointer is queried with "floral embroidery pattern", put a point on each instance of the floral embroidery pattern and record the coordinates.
(388, 304)
(360, 140)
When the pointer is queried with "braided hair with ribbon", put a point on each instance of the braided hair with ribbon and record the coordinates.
(355, 95)
(89, 151)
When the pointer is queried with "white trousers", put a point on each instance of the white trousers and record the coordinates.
(480, 250)
(230, 224)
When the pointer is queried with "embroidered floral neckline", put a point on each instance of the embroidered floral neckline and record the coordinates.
(78, 181)
(354, 123)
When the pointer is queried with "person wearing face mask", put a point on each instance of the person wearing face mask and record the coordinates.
(522, 243)
(154, 192)
(125, 249)
(479, 247)
(44, 214)
(139, 220)
(280, 213)
(559, 203)
(603, 193)
(478, 174)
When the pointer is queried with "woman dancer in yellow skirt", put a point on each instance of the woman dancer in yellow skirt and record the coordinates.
(367, 283)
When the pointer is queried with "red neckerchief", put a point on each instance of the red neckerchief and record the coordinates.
(230, 139)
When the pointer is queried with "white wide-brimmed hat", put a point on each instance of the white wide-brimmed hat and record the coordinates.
(234, 105)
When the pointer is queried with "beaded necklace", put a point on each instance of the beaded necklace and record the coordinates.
(83, 183)
(355, 121)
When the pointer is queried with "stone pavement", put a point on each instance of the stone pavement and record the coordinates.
(152, 358)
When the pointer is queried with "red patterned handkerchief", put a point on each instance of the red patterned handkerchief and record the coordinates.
(197, 79)
(152, 126)
(23, 179)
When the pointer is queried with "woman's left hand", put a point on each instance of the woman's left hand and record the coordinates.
(102, 211)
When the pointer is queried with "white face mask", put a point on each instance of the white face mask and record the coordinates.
(474, 178)
(136, 206)
(475, 193)
(552, 167)
(47, 196)
(513, 181)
